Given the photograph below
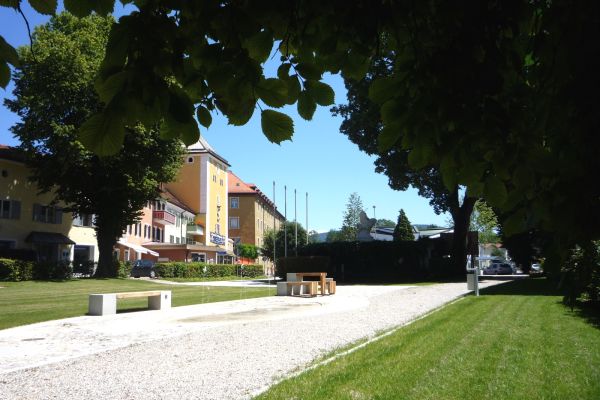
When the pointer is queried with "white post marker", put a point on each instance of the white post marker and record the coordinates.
(472, 276)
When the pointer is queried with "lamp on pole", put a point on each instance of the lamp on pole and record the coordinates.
(374, 216)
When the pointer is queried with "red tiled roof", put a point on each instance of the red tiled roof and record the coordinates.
(237, 186)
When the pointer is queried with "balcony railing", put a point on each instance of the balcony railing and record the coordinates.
(164, 217)
(193, 229)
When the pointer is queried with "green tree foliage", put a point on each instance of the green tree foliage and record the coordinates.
(267, 248)
(351, 221)
(385, 223)
(247, 251)
(363, 125)
(334, 235)
(403, 229)
(500, 97)
(484, 221)
(54, 95)
(582, 274)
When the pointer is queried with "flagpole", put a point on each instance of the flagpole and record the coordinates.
(285, 222)
(295, 225)
(274, 231)
(307, 218)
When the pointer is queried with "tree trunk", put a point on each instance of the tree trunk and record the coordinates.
(461, 216)
(107, 238)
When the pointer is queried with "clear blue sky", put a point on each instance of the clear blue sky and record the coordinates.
(320, 160)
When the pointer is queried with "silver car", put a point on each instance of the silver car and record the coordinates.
(498, 269)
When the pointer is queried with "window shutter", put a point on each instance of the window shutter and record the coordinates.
(15, 210)
(58, 216)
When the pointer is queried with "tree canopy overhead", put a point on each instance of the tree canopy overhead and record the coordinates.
(54, 95)
(501, 96)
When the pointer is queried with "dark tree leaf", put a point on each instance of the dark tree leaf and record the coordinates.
(276, 126)
(306, 105)
(259, 46)
(321, 92)
(78, 8)
(103, 133)
(204, 116)
(4, 74)
(309, 71)
(272, 91)
(8, 53)
(47, 7)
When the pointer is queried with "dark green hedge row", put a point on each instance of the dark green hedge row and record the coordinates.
(18, 270)
(376, 261)
(203, 270)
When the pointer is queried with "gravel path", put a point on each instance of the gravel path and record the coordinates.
(214, 351)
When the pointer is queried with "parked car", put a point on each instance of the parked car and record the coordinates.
(536, 268)
(143, 268)
(498, 269)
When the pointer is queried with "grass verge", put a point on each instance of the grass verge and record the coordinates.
(28, 302)
(517, 341)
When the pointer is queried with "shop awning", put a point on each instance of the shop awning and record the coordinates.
(138, 248)
(48, 237)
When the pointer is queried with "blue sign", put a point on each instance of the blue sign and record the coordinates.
(216, 238)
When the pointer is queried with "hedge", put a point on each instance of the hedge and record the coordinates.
(204, 270)
(18, 270)
(376, 261)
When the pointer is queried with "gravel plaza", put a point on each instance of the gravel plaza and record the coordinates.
(230, 350)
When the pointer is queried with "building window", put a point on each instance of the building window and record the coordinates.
(177, 240)
(10, 209)
(83, 220)
(198, 257)
(47, 214)
(218, 228)
(234, 222)
(221, 182)
(139, 230)
(172, 239)
(190, 160)
(234, 202)
(214, 178)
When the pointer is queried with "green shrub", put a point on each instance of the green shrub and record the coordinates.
(249, 270)
(123, 269)
(59, 270)
(15, 270)
(203, 270)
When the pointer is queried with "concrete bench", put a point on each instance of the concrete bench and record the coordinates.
(291, 288)
(106, 303)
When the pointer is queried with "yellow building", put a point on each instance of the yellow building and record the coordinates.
(251, 213)
(202, 186)
(28, 220)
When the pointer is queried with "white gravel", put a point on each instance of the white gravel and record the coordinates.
(227, 350)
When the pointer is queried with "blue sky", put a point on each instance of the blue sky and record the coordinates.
(319, 160)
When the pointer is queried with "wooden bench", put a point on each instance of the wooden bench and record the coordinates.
(330, 285)
(289, 288)
(106, 303)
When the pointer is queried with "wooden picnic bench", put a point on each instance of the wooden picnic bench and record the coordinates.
(295, 283)
(106, 303)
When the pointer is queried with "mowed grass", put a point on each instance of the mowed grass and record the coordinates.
(517, 341)
(28, 302)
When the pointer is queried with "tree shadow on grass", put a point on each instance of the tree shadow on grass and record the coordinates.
(525, 287)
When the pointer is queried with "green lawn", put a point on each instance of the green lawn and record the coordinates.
(35, 301)
(517, 341)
